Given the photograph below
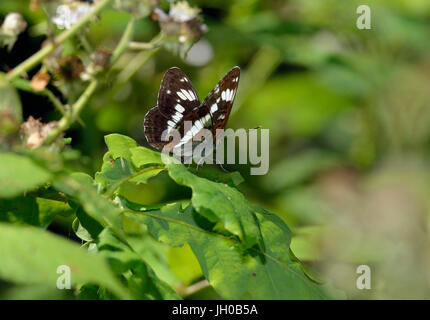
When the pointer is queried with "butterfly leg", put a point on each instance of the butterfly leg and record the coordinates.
(200, 164)
(222, 168)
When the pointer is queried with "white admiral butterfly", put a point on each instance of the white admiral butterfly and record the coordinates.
(178, 103)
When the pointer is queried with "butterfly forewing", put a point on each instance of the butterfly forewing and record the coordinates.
(220, 100)
(177, 95)
(215, 109)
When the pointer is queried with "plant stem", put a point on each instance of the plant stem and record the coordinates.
(194, 288)
(141, 45)
(50, 47)
(55, 101)
(68, 119)
(135, 63)
(25, 85)
(85, 43)
(125, 40)
(153, 44)
(83, 99)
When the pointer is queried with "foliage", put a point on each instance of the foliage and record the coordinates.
(349, 121)
(239, 246)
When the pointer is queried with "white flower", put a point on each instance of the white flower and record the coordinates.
(66, 16)
(14, 24)
(182, 12)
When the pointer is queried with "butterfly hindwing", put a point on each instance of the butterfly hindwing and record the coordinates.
(197, 119)
(154, 125)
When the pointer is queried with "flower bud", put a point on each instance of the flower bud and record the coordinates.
(33, 132)
(182, 26)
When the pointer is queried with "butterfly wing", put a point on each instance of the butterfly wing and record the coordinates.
(154, 125)
(220, 100)
(178, 103)
(213, 113)
(176, 98)
(177, 95)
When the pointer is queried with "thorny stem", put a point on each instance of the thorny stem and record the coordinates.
(68, 119)
(50, 47)
(70, 116)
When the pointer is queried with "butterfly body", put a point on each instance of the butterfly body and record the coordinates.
(179, 108)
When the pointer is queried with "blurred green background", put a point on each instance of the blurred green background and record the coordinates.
(348, 112)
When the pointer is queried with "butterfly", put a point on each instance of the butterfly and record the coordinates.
(178, 104)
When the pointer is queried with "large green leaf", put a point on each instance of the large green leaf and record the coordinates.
(235, 271)
(19, 174)
(32, 256)
(220, 204)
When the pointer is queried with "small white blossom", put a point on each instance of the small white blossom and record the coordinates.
(182, 12)
(66, 16)
(14, 24)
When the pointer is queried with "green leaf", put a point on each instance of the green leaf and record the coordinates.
(154, 253)
(233, 179)
(35, 292)
(19, 174)
(32, 256)
(220, 203)
(32, 211)
(48, 158)
(125, 162)
(86, 228)
(141, 156)
(82, 189)
(113, 172)
(88, 292)
(119, 145)
(80, 231)
(141, 279)
(184, 264)
(10, 108)
(235, 271)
